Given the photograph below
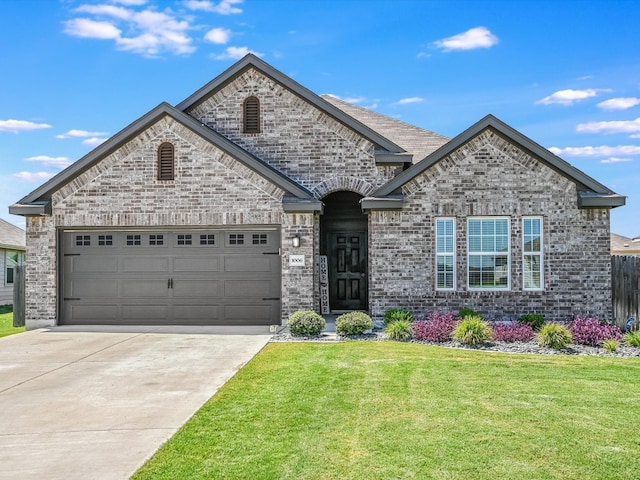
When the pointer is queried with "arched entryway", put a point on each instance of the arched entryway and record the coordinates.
(343, 239)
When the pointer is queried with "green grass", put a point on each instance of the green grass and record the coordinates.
(387, 410)
(6, 324)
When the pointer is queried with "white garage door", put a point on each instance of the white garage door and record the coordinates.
(210, 276)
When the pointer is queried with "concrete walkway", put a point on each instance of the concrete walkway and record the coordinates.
(80, 403)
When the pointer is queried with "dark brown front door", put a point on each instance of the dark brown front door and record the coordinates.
(348, 270)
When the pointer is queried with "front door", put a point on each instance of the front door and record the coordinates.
(348, 270)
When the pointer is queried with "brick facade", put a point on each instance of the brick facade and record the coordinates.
(486, 176)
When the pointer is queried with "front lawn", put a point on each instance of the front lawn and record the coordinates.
(383, 410)
(6, 325)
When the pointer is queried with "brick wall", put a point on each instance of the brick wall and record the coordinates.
(490, 177)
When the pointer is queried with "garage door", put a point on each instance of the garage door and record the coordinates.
(178, 277)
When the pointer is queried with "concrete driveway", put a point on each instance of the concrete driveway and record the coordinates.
(79, 403)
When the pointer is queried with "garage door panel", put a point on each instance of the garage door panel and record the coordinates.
(91, 264)
(94, 313)
(247, 288)
(199, 263)
(203, 313)
(145, 288)
(145, 264)
(184, 288)
(92, 288)
(249, 314)
(152, 313)
(248, 263)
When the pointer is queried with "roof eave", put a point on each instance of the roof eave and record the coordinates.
(301, 205)
(591, 200)
(35, 209)
(394, 202)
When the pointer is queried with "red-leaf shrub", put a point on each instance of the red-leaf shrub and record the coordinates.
(589, 331)
(512, 332)
(438, 327)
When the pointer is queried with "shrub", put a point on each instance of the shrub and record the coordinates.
(610, 345)
(534, 320)
(438, 327)
(513, 332)
(472, 331)
(399, 330)
(305, 322)
(590, 331)
(553, 335)
(395, 314)
(632, 338)
(467, 312)
(353, 323)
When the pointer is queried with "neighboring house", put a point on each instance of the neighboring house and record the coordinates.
(621, 245)
(12, 253)
(220, 210)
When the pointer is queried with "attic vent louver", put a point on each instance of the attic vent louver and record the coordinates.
(251, 115)
(166, 162)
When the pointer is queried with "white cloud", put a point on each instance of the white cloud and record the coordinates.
(569, 96)
(59, 162)
(478, 37)
(631, 127)
(218, 35)
(80, 134)
(620, 103)
(406, 101)
(236, 53)
(130, 2)
(616, 160)
(16, 126)
(601, 151)
(149, 32)
(33, 176)
(224, 7)
(87, 28)
(94, 141)
(423, 55)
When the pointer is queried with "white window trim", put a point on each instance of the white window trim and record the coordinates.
(539, 253)
(446, 254)
(508, 253)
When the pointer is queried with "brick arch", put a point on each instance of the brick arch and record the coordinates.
(335, 184)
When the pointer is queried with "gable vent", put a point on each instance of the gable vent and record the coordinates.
(166, 162)
(251, 115)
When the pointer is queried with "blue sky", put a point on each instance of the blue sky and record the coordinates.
(565, 73)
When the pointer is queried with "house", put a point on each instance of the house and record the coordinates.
(254, 197)
(621, 245)
(12, 254)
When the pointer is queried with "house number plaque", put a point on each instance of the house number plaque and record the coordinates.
(296, 260)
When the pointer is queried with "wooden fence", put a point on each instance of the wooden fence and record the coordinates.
(625, 284)
(18, 296)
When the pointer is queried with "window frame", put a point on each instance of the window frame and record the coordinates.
(19, 260)
(445, 254)
(492, 253)
(539, 253)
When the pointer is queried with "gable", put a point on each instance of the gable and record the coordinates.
(590, 193)
(38, 202)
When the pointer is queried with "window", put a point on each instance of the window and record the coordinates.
(251, 115)
(445, 254)
(488, 253)
(166, 162)
(83, 240)
(184, 239)
(12, 260)
(236, 239)
(105, 240)
(133, 240)
(259, 238)
(207, 239)
(156, 239)
(532, 253)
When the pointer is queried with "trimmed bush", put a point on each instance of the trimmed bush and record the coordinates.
(395, 314)
(353, 323)
(592, 332)
(305, 322)
(632, 338)
(610, 345)
(438, 327)
(554, 335)
(513, 332)
(467, 312)
(399, 330)
(472, 331)
(534, 320)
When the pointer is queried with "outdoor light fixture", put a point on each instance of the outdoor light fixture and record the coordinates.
(296, 241)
